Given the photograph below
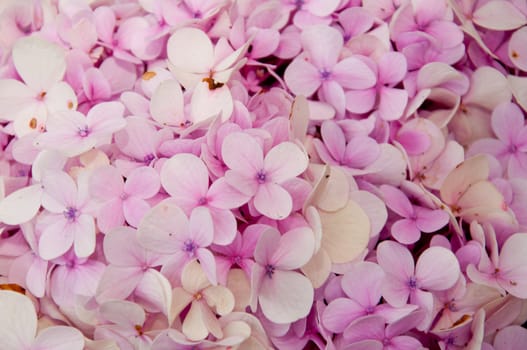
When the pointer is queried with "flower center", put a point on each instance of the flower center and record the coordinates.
(202, 201)
(189, 247)
(261, 177)
(71, 214)
(83, 132)
(269, 270)
(148, 158)
(412, 283)
(513, 149)
(370, 310)
(325, 74)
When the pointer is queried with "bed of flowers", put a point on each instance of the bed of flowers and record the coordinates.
(279, 174)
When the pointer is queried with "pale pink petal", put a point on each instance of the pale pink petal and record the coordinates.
(160, 227)
(517, 49)
(332, 93)
(405, 342)
(267, 244)
(223, 196)
(362, 283)
(28, 198)
(405, 231)
(285, 297)
(43, 73)
(60, 97)
(60, 338)
(84, 236)
(36, 277)
(247, 185)
(510, 338)
(352, 73)
(14, 98)
(18, 320)
(190, 49)
(437, 269)
(499, 15)
(60, 191)
(340, 313)
(207, 104)
(392, 103)
(123, 313)
(194, 326)
(201, 226)
(154, 291)
(302, 77)
(295, 249)
(285, 161)
(464, 175)
(118, 282)
(321, 8)
(142, 182)
(185, 177)
(273, 201)
(55, 240)
(208, 264)
(122, 249)
(166, 105)
(513, 264)
(224, 224)
(248, 159)
(323, 45)
(106, 183)
(507, 121)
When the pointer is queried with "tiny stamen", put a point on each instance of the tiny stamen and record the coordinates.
(71, 214)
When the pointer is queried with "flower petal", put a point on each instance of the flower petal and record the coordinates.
(285, 161)
(60, 338)
(437, 269)
(18, 320)
(273, 201)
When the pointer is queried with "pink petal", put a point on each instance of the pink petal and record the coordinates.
(513, 264)
(430, 220)
(361, 151)
(60, 338)
(365, 328)
(415, 142)
(285, 161)
(332, 93)
(295, 249)
(273, 201)
(437, 269)
(247, 160)
(340, 313)
(185, 177)
(323, 45)
(285, 297)
(362, 283)
(352, 73)
(123, 313)
(155, 291)
(392, 68)
(142, 182)
(302, 77)
(321, 8)
(405, 231)
(207, 104)
(36, 277)
(208, 263)
(395, 260)
(166, 105)
(360, 101)
(28, 198)
(110, 215)
(397, 201)
(507, 121)
(223, 196)
(134, 209)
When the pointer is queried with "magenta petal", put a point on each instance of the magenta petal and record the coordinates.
(405, 231)
(340, 313)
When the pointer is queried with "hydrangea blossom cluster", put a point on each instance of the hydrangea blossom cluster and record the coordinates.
(228, 174)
